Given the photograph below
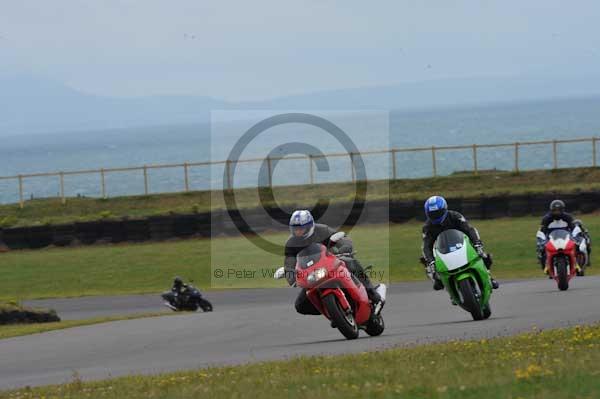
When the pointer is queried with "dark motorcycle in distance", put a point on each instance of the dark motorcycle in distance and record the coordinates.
(189, 299)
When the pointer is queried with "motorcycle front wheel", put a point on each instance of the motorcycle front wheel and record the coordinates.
(470, 300)
(561, 271)
(343, 321)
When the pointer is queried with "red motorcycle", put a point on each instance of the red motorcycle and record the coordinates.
(337, 293)
(561, 260)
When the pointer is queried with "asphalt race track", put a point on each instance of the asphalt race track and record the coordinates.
(254, 325)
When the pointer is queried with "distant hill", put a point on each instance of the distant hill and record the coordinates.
(34, 105)
(435, 93)
(31, 105)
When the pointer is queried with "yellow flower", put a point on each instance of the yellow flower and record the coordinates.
(533, 370)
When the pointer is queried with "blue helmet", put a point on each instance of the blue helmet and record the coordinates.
(436, 209)
(302, 224)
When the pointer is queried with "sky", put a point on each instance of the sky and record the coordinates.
(239, 50)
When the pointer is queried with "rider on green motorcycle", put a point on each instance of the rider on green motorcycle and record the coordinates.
(439, 219)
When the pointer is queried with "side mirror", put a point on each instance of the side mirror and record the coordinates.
(280, 273)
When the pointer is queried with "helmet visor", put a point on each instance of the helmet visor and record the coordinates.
(437, 215)
(299, 231)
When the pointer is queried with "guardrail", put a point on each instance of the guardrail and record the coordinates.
(393, 153)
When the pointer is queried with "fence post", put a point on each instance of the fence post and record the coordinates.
(475, 168)
(270, 172)
(554, 155)
(21, 202)
(62, 188)
(517, 157)
(352, 167)
(594, 162)
(394, 173)
(311, 169)
(228, 174)
(145, 180)
(103, 183)
(433, 160)
(186, 177)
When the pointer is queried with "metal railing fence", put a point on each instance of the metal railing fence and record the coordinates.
(393, 153)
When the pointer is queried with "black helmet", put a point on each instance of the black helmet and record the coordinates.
(557, 207)
(177, 281)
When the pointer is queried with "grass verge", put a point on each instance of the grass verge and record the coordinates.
(17, 330)
(52, 211)
(548, 364)
(150, 267)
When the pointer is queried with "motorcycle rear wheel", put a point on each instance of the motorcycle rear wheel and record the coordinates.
(470, 301)
(487, 311)
(582, 262)
(375, 326)
(344, 322)
(205, 305)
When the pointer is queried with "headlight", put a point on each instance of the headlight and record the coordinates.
(316, 275)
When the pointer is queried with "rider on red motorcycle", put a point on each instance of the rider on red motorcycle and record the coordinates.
(555, 219)
(304, 231)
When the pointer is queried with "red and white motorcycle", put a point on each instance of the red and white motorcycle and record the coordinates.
(566, 255)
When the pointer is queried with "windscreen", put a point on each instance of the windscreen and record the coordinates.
(309, 256)
(560, 235)
(449, 241)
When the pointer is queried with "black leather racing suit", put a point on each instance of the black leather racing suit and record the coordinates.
(554, 222)
(321, 235)
(454, 220)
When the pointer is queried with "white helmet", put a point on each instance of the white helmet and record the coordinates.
(302, 224)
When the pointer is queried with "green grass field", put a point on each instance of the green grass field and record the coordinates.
(149, 267)
(17, 330)
(48, 211)
(542, 365)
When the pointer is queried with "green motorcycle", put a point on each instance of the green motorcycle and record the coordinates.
(463, 273)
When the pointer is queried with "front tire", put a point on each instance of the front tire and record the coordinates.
(344, 322)
(561, 271)
(470, 301)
